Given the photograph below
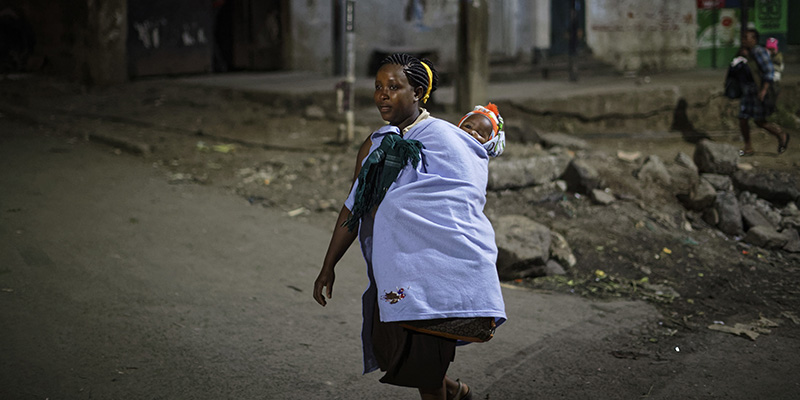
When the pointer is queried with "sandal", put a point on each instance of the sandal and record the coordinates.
(782, 147)
(748, 153)
(465, 396)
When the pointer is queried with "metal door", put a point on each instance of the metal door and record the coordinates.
(258, 34)
(560, 25)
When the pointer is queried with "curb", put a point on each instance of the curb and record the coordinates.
(124, 144)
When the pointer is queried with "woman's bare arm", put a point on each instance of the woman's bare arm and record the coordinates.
(341, 239)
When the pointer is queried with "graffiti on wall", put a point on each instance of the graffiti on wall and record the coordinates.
(192, 34)
(152, 33)
(149, 32)
(632, 15)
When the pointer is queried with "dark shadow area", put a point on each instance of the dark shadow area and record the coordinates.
(222, 15)
(682, 124)
(16, 41)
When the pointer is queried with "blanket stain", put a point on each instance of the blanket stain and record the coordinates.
(394, 297)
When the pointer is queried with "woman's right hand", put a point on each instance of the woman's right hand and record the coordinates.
(324, 280)
(341, 240)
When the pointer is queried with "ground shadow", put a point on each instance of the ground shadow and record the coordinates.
(682, 124)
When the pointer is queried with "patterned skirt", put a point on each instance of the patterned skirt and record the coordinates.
(750, 106)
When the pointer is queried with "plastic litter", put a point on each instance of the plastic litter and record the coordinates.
(297, 211)
(223, 148)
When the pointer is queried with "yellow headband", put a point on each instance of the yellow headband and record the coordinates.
(430, 82)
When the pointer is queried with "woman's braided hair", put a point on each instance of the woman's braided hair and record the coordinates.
(415, 72)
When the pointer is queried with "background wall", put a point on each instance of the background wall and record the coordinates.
(649, 35)
(82, 39)
(413, 25)
(90, 40)
(311, 32)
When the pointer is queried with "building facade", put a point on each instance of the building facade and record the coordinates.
(115, 40)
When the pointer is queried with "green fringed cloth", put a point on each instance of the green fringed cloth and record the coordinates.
(379, 171)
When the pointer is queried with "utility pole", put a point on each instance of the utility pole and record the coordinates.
(714, 23)
(339, 65)
(743, 8)
(472, 54)
(345, 90)
(573, 41)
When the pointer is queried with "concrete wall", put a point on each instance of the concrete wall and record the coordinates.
(412, 25)
(383, 26)
(540, 21)
(101, 50)
(399, 26)
(517, 27)
(311, 36)
(637, 35)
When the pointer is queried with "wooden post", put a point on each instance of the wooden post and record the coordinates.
(472, 55)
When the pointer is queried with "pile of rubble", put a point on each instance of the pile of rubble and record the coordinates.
(712, 189)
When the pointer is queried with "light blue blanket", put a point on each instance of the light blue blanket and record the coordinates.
(432, 252)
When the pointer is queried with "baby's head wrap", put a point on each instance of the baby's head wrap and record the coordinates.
(497, 142)
(772, 43)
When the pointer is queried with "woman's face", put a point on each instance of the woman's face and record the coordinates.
(396, 100)
(478, 126)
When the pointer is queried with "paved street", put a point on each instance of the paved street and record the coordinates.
(115, 284)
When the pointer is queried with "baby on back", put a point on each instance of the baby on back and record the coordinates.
(486, 125)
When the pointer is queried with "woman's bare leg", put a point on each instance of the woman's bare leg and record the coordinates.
(452, 387)
(744, 128)
(439, 393)
(774, 129)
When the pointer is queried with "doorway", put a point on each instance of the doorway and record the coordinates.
(250, 35)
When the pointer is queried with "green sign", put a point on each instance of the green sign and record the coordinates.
(718, 29)
(771, 16)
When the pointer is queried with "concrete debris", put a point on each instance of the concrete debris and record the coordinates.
(774, 186)
(531, 171)
(684, 160)
(602, 197)
(717, 158)
(581, 177)
(719, 182)
(628, 156)
(560, 250)
(700, 197)
(653, 170)
(766, 237)
(730, 215)
(563, 140)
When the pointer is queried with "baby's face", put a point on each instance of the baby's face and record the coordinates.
(478, 126)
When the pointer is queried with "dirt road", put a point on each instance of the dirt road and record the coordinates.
(182, 275)
(117, 284)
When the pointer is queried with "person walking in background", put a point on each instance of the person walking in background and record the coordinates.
(755, 104)
(776, 57)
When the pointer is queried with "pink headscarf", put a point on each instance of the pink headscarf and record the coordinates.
(772, 44)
